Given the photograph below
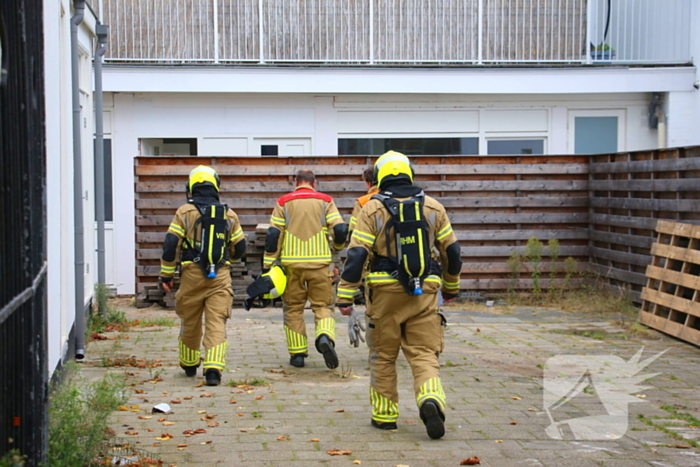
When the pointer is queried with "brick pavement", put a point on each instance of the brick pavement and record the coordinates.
(492, 373)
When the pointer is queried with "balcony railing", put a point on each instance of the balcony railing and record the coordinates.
(394, 32)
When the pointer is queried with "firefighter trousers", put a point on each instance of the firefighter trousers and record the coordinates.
(315, 286)
(197, 298)
(396, 320)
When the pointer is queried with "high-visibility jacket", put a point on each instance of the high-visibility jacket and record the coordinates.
(357, 207)
(183, 227)
(370, 235)
(304, 219)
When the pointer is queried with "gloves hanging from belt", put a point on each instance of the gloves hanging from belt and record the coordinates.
(356, 327)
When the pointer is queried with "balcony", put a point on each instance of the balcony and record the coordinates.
(382, 33)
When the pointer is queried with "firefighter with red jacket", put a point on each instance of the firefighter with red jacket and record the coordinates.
(298, 238)
(202, 294)
(402, 312)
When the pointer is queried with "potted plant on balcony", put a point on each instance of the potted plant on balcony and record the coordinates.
(602, 52)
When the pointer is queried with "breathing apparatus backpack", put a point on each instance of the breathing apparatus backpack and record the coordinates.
(412, 261)
(212, 251)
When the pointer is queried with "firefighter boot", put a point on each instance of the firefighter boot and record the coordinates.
(327, 347)
(213, 377)
(433, 419)
(297, 360)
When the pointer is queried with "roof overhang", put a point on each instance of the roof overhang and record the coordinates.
(276, 80)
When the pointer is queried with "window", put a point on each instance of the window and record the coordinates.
(507, 147)
(168, 146)
(595, 135)
(408, 146)
(269, 150)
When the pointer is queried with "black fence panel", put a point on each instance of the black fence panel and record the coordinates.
(23, 363)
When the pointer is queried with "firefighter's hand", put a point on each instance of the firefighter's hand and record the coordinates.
(355, 329)
(168, 283)
(448, 297)
(345, 308)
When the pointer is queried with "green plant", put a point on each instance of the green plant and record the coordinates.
(604, 47)
(105, 318)
(570, 268)
(12, 459)
(248, 382)
(553, 247)
(533, 255)
(515, 264)
(78, 414)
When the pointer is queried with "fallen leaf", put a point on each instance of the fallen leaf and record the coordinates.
(259, 397)
(409, 421)
(212, 423)
(232, 402)
(180, 449)
(513, 423)
(122, 408)
(681, 446)
(532, 410)
(499, 440)
(239, 414)
(199, 385)
(206, 395)
(151, 431)
(340, 410)
(176, 402)
(201, 411)
(331, 400)
(145, 417)
(200, 430)
(206, 442)
(188, 398)
(243, 431)
(641, 396)
(166, 392)
(168, 423)
(315, 440)
(131, 433)
(338, 452)
(140, 391)
(282, 438)
(471, 461)
(478, 330)
(516, 398)
(161, 419)
(357, 462)
(182, 445)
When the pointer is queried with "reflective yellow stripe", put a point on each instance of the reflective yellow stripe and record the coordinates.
(277, 220)
(363, 236)
(444, 232)
(177, 230)
(236, 234)
(267, 260)
(296, 343)
(314, 259)
(188, 357)
(330, 217)
(421, 251)
(353, 220)
(216, 357)
(326, 326)
(167, 269)
(383, 410)
(431, 389)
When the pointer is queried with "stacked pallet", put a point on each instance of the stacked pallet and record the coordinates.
(671, 299)
(154, 293)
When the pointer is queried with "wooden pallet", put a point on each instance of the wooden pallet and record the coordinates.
(671, 299)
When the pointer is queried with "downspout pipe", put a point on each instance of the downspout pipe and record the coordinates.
(79, 234)
(102, 31)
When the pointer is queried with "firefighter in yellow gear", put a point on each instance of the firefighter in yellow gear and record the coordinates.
(203, 294)
(402, 313)
(298, 238)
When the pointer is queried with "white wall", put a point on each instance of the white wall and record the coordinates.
(325, 118)
(59, 167)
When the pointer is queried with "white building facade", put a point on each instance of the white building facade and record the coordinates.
(273, 105)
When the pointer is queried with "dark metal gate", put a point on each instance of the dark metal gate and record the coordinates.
(23, 367)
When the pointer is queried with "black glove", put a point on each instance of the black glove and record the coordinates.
(446, 297)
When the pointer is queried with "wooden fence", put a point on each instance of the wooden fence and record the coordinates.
(629, 193)
(495, 204)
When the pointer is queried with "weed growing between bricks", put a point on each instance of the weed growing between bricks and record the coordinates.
(78, 415)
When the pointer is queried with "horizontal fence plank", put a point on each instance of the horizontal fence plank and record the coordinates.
(684, 229)
(345, 186)
(609, 272)
(669, 185)
(674, 277)
(678, 330)
(671, 301)
(646, 204)
(621, 239)
(520, 284)
(321, 170)
(462, 202)
(619, 256)
(624, 221)
(659, 165)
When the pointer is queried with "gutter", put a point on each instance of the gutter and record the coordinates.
(102, 32)
(79, 233)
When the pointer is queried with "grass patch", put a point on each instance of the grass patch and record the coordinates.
(78, 414)
(12, 459)
(247, 382)
(151, 322)
(668, 431)
(673, 410)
